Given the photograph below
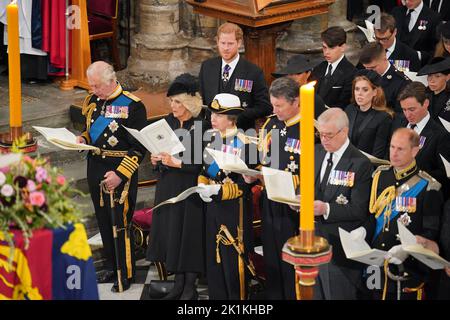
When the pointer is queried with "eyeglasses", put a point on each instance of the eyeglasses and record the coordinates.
(327, 136)
(382, 39)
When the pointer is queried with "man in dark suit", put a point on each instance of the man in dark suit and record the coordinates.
(442, 7)
(335, 75)
(433, 137)
(397, 52)
(373, 57)
(230, 73)
(342, 188)
(416, 25)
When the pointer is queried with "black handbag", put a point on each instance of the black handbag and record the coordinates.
(160, 288)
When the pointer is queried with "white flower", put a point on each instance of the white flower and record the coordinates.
(2, 178)
(7, 190)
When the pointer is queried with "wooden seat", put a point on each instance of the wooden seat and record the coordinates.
(103, 24)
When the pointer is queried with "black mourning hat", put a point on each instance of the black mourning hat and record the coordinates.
(436, 65)
(296, 64)
(184, 83)
(374, 77)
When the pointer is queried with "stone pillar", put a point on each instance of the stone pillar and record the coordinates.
(158, 51)
(337, 16)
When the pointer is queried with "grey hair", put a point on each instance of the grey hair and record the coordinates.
(286, 88)
(336, 115)
(102, 69)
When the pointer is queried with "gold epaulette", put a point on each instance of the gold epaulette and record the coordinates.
(383, 167)
(433, 184)
(131, 96)
(267, 121)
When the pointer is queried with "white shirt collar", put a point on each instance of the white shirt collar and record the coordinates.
(391, 48)
(338, 154)
(232, 64)
(422, 123)
(388, 67)
(334, 65)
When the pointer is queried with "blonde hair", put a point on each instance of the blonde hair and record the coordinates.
(379, 101)
(192, 103)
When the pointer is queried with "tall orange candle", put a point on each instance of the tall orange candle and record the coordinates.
(307, 157)
(15, 90)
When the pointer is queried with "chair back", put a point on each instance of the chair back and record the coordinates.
(107, 8)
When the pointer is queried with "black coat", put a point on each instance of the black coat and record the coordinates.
(444, 14)
(403, 52)
(256, 102)
(436, 142)
(338, 91)
(392, 82)
(372, 135)
(348, 216)
(420, 40)
(177, 236)
(440, 105)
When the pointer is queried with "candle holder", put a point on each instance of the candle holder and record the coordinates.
(7, 140)
(306, 253)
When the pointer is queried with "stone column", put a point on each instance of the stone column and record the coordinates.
(158, 51)
(337, 16)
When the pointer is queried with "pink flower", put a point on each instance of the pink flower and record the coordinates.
(37, 198)
(31, 186)
(61, 180)
(41, 174)
(2, 178)
(7, 190)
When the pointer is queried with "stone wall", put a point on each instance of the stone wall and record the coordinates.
(170, 39)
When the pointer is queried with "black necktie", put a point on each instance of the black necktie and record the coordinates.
(324, 181)
(407, 20)
(226, 73)
(413, 126)
(326, 80)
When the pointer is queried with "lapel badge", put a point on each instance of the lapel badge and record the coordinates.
(283, 132)
(447, 105)
(405, 219)
(292, 166)
(244, 104)
(112, 141)
(113, 126)
(389, 77)
(341, 199)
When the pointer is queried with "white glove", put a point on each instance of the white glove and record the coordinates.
(208, 190)
(397, 255)
(359, 234)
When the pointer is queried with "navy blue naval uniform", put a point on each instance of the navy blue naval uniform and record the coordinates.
(280, 146)
(118, 152)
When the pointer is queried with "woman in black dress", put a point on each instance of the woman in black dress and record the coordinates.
(177, 231)
(224, 193)
(369, 118)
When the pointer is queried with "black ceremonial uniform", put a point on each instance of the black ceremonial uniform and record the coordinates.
(416, 201)
(118, 152)
(280, 145)
(224, 211)
(392, 82)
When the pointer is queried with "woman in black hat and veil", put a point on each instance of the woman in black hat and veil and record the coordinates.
(176, 237)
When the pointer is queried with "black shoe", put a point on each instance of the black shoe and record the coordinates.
(125, 285)
(191, 295)
(106, 276)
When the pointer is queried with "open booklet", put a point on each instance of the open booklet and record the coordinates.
(63, 138)
(426, 256)
(369, 31)
(231, 162)
(279, 186)
(182, 196)
(374, 159)
(360, 250)
(158, 137)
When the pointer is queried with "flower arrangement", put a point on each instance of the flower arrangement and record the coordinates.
(34, 195)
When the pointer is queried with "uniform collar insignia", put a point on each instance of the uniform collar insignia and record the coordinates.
(293, 120)
(402, 174)
(117, 91)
